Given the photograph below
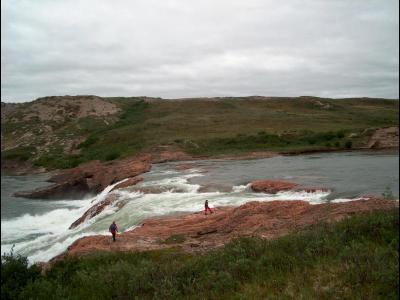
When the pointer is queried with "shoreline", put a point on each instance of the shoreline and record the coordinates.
(263, 154)
(30, 170)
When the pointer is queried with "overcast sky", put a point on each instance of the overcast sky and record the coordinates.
(177, 49)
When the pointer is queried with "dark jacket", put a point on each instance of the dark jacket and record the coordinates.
(113, 228)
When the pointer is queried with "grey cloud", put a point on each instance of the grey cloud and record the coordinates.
(199, 48)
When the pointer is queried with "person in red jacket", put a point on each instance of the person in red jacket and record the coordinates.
(207, 208)
(113, 229)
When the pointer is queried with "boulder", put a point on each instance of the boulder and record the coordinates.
(71, 189)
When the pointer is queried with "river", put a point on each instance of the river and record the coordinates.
(39, 230)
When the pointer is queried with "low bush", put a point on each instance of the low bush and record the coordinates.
(88, 142)
(15, 275)
(20, 153)
(264, 141)
(112, 156)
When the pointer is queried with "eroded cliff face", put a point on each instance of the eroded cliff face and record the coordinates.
(197, 232)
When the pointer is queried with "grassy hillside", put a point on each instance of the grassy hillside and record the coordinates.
(200, 127)
(355, 259)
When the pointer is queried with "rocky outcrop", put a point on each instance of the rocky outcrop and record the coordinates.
(276, 186)
(384, 138)
(95, 210)
(35, 129)
(90, 178)
(203, 232)
(71, 189)
(108, 201)
(55, 108)
(272, 186)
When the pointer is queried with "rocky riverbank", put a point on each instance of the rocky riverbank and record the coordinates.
(196, 232)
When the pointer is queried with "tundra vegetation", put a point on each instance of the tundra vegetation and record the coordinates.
(201, 127)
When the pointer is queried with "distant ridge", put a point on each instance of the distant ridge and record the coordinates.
(65, 131)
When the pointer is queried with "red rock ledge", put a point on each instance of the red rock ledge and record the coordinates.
(203, 232)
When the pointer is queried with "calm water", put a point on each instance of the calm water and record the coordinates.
(39, 228)
(348, 175)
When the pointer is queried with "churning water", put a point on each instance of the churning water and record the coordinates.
(39, 228)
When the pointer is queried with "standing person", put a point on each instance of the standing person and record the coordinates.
(206, 208)
(113, 229)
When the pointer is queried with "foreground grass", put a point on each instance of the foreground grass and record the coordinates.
(354, 259)
(203, 127)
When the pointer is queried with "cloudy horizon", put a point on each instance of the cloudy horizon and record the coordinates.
(182, 49)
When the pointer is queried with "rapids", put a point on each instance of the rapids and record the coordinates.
(39, 229)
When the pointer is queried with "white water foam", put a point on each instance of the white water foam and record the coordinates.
(339, 200)
(241, 188)
(179, 183)
(49, 230)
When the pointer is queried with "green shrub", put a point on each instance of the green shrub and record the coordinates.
(348, 144)
(58, 161)
(340, 134)
(88, 142)
(112, 156)
(15, 275)
(20, 153)
(328, 136)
